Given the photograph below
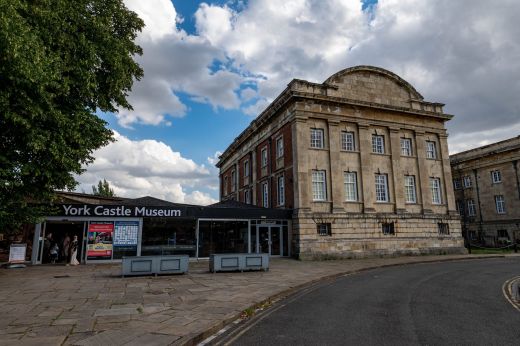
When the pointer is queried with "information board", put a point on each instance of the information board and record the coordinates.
(126, 233)
(17, 253)
(100, 240)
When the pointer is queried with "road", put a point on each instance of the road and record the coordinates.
(437, 304)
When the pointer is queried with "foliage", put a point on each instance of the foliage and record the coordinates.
(103, 189)
(61, 61)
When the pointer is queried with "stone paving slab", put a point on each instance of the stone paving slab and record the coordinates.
(93, 305)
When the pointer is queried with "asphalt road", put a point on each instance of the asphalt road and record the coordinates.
(436, 304)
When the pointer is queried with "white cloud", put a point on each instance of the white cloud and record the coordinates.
(148, 168)
(462, 53)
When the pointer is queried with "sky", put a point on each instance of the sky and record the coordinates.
(211, 67)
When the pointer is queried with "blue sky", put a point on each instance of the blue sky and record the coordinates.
(211, 67)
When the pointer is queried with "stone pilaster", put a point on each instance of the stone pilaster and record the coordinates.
(336, 175)
(398, 178)
(446, 168)
(424, 179)
(367, 175)
(300, 149)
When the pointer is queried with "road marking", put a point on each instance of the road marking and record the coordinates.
(507, 291)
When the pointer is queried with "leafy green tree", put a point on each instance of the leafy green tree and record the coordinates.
(103, 189)
(61, 61)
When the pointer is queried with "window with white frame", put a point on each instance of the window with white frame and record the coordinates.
(319, 188)
(406, 147)
(247, 196)
(279, 147)
(471, 207)
(409, 189)
(431, 150)
(460, 206)
(350, 186)
(265, 195)
(317, 138)
(381, 188)
(281, 190)
(456, 184)
(324, 229)
(496, 177)
(500, 204)
(378, 144)
(225, 185)
(388, 228)
(264, 157)
(435, 188)
(466, 181)
(443, 228)
(246, 168)
(233, 180)
(347, 141)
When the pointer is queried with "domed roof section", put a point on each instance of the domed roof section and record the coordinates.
(373, 84)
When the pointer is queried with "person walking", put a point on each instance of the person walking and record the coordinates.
(65, 248)
(74, 251)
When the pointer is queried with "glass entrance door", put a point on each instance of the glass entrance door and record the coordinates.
(269, 240)
(263, 240)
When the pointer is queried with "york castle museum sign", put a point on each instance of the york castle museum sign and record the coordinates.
(118, 210)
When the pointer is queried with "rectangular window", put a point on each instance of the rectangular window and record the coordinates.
(347, 141)
(378, 144)
(317, 138)
(388, 228)
(324, 229)
(456, 184)
(225, 185)
(381, 188)
(500, 204)
(460, 207)
(233, 180)
(431, 151)
(350, 186)
(502, 233)
(466, 181)
(496, 177)
(409, 189)
(435, 188)
(279, 147)
(319, 189)
(443, 228)
(265, 195)
(471, 207)
(281, 190)
(247, 196)
(406, 147)
(246, 168)
(264, 157)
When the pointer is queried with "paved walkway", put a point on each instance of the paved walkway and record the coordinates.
(93, 305)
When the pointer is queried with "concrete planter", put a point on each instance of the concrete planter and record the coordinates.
(148, 265)
(238, 261)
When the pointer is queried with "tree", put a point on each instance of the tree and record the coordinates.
(103, 189)
(61, 61)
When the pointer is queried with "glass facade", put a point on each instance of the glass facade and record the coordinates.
(163, 236)
(216, 236)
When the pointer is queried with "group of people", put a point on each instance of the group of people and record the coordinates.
(67, 253)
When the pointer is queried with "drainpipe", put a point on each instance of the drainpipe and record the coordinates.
(515, 166)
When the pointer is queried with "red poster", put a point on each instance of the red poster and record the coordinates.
(100, 240)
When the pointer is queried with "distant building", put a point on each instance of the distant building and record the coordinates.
(361, 159)
(487, 191)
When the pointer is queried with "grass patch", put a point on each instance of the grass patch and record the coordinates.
(475, 251)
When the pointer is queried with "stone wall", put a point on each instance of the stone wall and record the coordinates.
(358, 236)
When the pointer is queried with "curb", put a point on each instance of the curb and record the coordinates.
(194, 339)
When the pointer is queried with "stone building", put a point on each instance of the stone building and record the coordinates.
(361, 159)
(487, 191)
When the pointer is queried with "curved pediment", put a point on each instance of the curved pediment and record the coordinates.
(373, 84)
